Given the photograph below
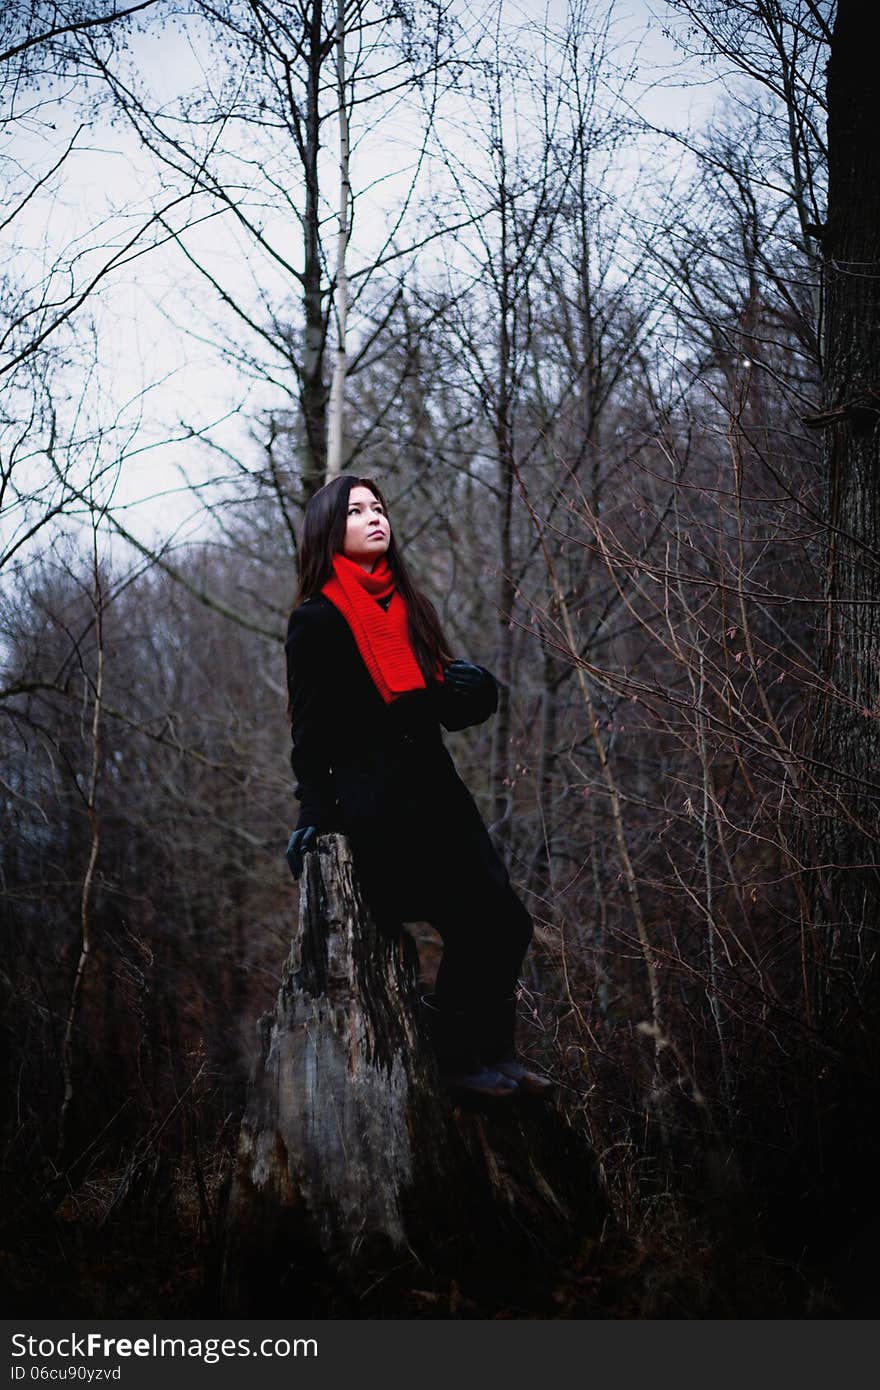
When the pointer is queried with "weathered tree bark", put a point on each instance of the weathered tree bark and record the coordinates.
(843, 832)
(847, 730)
(356, 1177)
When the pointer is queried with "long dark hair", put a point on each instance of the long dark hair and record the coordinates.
(323, 535)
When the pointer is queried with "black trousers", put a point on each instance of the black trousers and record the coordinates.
(461, 887)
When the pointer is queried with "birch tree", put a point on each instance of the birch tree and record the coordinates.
(252, 144)
(336, 425)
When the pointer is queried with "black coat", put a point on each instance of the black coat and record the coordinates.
(366, 767)
(381, 774)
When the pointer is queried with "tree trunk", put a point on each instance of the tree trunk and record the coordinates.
(847, 732)
(356, 1178)
(842, 833)
(313, 387)
(542, 859)
(336, 421)
(502, 791)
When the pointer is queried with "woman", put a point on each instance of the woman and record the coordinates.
(371, 680)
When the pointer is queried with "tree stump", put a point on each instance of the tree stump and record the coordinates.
(357, 1178)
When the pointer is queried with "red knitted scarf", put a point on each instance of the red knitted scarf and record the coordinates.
(382, 637)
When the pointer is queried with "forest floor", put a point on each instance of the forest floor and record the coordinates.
(142, 1237)
(153, 1250)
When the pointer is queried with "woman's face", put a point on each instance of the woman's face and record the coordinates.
(367, 532)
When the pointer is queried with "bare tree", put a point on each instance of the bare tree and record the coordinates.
(249, 144)
(512, 206)
(55, 275)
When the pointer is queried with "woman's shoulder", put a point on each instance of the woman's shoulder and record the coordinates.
(315, 614)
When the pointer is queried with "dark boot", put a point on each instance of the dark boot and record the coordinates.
(498, 1048)
(461, 1070)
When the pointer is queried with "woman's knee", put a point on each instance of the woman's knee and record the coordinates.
(512, 923)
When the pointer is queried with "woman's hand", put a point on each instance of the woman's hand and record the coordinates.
(464, 676)
(467, 695)
(299, 844)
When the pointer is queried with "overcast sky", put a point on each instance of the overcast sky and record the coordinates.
(158, 368)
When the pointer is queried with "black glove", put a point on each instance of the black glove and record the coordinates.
(300, 842)
(464, 677)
